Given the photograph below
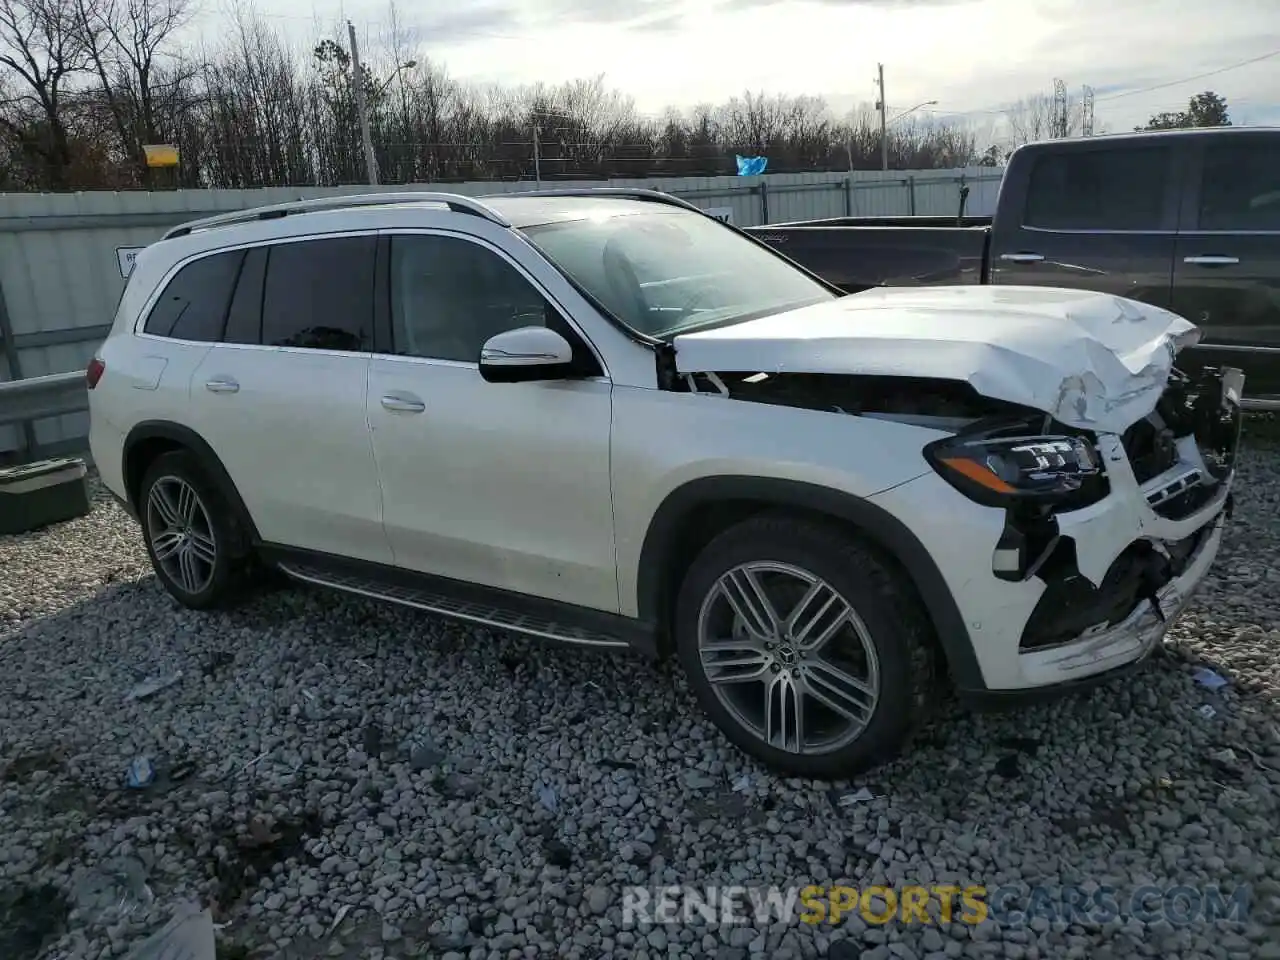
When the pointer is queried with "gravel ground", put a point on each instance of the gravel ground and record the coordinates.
(336, 778)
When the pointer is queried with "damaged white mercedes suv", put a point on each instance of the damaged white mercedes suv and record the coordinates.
(605, 418)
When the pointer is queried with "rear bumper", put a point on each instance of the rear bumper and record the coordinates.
(106, 446)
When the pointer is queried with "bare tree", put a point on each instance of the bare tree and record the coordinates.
(1032, 119)
(41, 47)
(126, 41)
(251, 112)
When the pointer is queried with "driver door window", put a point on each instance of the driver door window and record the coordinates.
(449, 296)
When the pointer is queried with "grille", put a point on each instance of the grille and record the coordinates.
(1150, 449)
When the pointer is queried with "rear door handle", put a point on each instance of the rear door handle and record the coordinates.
(403, 404)
(1022, 257)
(221, 385)
(1211, 261)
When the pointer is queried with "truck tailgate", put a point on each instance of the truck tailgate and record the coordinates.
(855, 258)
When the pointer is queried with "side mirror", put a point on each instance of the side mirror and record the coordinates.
(527, 353)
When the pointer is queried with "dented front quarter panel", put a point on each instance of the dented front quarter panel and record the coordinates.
(1092, 361)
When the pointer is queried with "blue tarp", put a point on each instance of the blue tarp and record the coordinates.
(751, 166)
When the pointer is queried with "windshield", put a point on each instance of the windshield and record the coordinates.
(666, 272)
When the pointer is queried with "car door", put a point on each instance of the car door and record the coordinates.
(179, 328)
(1091, 216)
(282, 398)
(504, 485)
(1227, 268)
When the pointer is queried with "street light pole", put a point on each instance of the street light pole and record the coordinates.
(884, 136)
(904, 113)
(537, 156)
(362, 108)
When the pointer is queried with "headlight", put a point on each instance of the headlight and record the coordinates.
(1003, 470)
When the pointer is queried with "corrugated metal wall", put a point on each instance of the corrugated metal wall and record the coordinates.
(60, 279)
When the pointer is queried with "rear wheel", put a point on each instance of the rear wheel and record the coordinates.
(805, 646)
(190, 532)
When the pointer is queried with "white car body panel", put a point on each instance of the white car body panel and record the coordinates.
(148, 381)
(663, 440)
(500, 484)
(1091, 360)
(295, 441)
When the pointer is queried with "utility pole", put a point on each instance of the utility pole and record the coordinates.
(884, 136)
(371, 164)
(537, 156)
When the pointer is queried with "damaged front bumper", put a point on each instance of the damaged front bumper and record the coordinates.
(1104, 646)
(1119, 573)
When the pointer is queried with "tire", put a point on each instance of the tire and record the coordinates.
(887, 635)
(211, 540)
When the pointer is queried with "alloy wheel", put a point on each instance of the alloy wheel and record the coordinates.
(789, 658)
(181, 534)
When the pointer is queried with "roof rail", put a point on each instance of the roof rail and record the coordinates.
(632, 193)
(454, 201)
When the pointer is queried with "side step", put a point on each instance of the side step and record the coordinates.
(433, 602)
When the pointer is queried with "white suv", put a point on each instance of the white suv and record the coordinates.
(606, 418)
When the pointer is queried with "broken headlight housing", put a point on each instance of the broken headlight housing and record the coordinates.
(1011, 468)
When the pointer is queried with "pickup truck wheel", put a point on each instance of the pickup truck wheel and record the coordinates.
(188, 529)
(804, 646)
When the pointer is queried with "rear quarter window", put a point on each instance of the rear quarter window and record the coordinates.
(194, 303)
(1112, 189)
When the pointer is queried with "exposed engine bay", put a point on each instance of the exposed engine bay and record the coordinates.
(919, 400)
(1191, 410)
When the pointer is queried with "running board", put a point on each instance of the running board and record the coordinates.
(486, 615)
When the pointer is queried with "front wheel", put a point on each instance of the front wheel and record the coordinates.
(189, 532)
(805, 646)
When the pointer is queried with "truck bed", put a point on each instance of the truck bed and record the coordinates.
(856, 253)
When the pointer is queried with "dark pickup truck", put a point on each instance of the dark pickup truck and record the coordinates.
(1188, 220)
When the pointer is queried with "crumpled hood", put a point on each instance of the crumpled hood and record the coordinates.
(1092, 360)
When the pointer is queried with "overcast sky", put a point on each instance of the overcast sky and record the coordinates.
(972, 56)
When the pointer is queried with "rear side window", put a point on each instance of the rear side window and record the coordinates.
(319, 294)
(1240, 187)
(193, 305)
(1121, 189)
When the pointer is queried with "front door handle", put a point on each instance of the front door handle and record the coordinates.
(221, 385)
(1022, 257)
(1211, 261)
(403, 405)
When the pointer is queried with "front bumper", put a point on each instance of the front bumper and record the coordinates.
(1133, 562)
(1106, 647)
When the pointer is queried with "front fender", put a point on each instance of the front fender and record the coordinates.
(878, 525)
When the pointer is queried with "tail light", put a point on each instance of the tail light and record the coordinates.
(94, 372)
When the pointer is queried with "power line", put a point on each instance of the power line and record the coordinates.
(1197, 76)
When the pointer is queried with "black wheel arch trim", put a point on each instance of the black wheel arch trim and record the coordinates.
(200, 448)
(881, 527)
